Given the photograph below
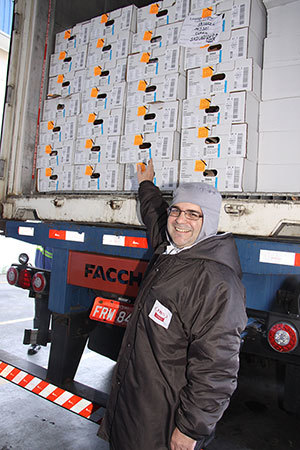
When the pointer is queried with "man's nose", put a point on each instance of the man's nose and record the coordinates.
(181, 218)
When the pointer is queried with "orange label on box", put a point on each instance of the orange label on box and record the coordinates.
(141, 110)
(204, 103)
(207, 72)
(100, 43)
(97, 71)
(89, 143)
(88, 170)
(60, 78)
(104, 18)
(142, 85)
(147, 36)
(203, 132)
(50, 125)
(67, 34)
(200, 165)
(92, 118)
(154, 8)
(62, 56)
(145, 57)
(94, 92)
(48, 172)
(48, 149)
(206, 12)
(138, 139)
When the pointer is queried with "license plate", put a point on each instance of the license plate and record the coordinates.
(111, 311)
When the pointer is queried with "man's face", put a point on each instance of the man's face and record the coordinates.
(183, 231)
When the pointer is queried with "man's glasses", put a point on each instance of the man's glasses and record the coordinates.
(174, 211)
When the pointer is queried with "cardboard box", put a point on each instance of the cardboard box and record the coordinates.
(63, 85)
(240, 141)
(163, 36)
(101, 123)
(284, 20)
(73, 38)
(58, 178)
(153, 117)
(108, 49)
(111, 23)
(65, 61)
(278, 115)
(166, 176)
(221, 109)
(278, 178)
(105, 77)
(246, 13)
(279, 147)
(98, 150)
(242, 44)
(229, 175)
(55, 155)
(97, 99)
(169, 88)
(281, 82)
(61, 130)
(281, 51)
(60, 108)
(240, 75)
(162, 13)
(98, 177)
(162, 146)
(158, 62)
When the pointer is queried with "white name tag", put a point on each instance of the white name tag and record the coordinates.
(160, 314)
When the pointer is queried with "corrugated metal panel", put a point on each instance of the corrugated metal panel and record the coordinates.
(6, 11)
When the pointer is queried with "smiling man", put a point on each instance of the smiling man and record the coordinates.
(178, 364)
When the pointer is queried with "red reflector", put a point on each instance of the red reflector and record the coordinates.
(24, 279)
(283, 337)
(12, 275)
(38, 282)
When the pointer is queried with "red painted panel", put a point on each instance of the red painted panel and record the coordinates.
(111, 274)
(297, 259)
(57, 234)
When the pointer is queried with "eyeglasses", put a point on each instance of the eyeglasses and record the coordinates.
(174, 211)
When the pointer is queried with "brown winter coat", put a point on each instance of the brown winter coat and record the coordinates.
(178, 363)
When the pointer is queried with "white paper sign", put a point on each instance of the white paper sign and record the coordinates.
(197, 31)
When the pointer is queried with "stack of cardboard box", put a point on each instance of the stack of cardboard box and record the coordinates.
(122, 90)
(219, 140)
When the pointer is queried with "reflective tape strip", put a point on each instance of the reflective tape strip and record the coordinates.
(283, 258)
(124, 241)
(61, 397)
(65, 235)
(26, 231)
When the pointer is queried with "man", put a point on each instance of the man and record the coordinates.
(179, 359)
(43, 260)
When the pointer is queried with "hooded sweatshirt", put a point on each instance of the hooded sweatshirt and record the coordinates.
(180, 355)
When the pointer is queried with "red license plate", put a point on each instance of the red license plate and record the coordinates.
(111, 311)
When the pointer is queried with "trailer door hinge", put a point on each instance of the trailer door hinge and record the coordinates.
(9, 94)
(2, 165)
(16, 22)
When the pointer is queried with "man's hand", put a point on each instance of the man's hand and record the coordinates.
(145, 172)
(180, 441)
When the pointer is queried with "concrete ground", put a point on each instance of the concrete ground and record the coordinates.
(253, 421)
